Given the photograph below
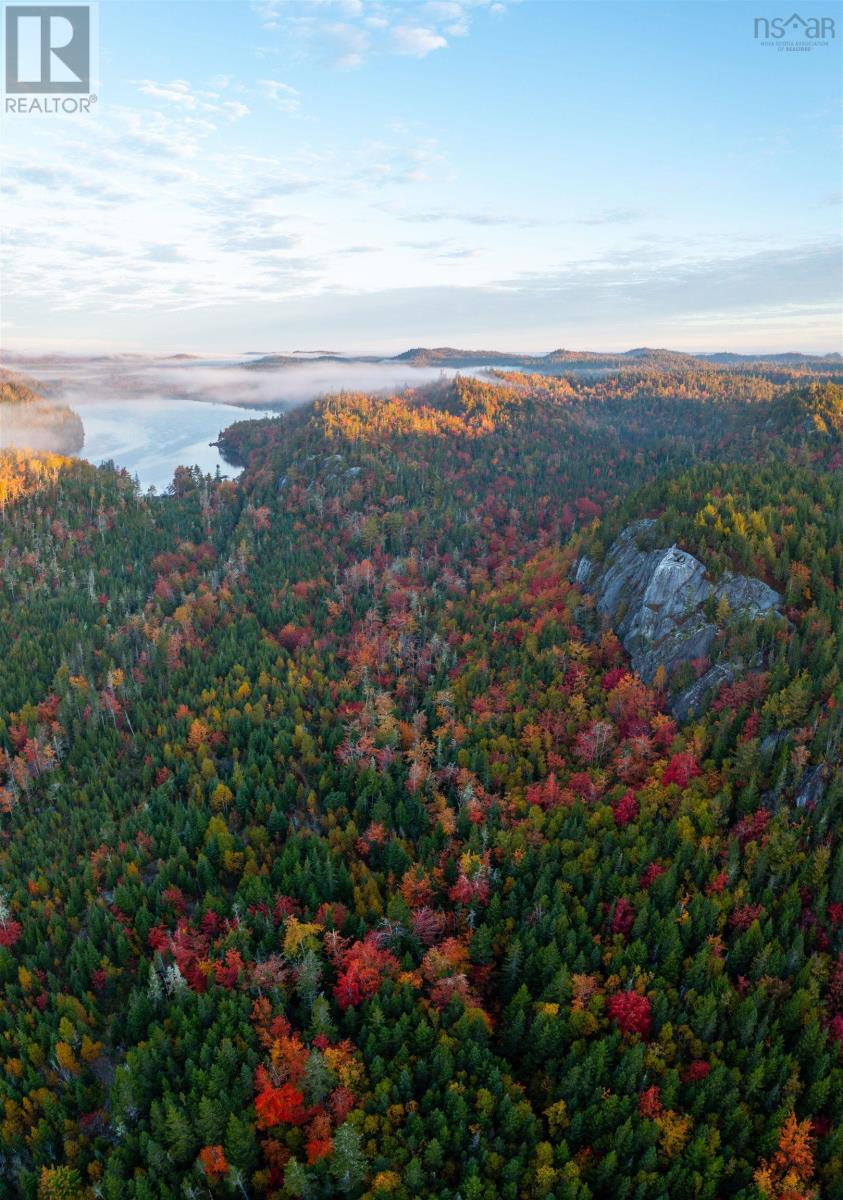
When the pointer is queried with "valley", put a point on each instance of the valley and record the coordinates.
(345, 850)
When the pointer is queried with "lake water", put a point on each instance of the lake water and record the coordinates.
(152, 415)
(151, 437)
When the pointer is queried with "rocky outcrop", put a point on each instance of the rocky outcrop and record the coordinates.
(691, 701)
(747, 595)
(812, 785)
(811, 788)
(656, 601)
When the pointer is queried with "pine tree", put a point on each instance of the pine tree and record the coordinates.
(348, 1164)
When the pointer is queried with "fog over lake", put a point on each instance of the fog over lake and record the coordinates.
(153, 415)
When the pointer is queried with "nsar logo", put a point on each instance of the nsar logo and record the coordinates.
(794, 32)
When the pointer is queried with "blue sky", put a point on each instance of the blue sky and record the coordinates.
(353, 174)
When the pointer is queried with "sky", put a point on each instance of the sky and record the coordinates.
(361, 175)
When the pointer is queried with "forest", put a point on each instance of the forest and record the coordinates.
(342, 853)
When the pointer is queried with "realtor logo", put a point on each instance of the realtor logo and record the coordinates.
(48, 48)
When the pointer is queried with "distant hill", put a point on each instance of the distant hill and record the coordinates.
(445, 354)
(448, 354)
(584, 360)
(275, 361)
(791, 357)
(455, 358)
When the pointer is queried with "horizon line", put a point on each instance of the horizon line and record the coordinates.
(19, 352)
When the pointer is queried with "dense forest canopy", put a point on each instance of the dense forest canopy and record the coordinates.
(341, 851)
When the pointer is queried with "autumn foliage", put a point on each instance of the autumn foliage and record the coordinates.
(342, 851)
(788, 1174)
(631, 1012)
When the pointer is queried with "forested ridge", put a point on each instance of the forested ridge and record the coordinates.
(342, 854)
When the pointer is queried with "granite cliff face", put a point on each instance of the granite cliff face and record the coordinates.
(655, 600)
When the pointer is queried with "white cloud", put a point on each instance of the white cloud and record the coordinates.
(267, 14)
(346, 44)
(178, 91)
(181, 94)
(169, 215)
(434, 215)
(453, 16)
(348, 32)
(282, 95)
(175, 210)
(417, 42)
(160, 137)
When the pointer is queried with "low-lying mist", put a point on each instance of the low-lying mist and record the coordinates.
(43, 426)
(287, 386)
(217, 381)
(152, 415)
(40, 427)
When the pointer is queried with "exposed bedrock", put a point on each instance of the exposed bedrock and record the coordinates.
(655, 600)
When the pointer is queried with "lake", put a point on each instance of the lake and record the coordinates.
(151, 437)
(152, 415)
